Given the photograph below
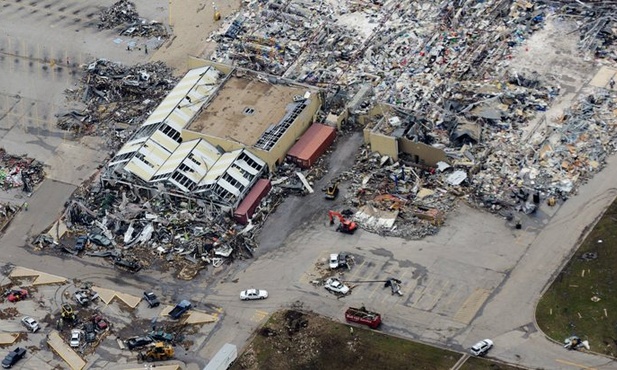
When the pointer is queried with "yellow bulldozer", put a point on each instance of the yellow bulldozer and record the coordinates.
(158, 352)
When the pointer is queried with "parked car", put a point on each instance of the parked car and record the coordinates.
(482, 347)
(334, 285)
(137, 342)
(152, 299)
(100, 240)
(333, 263)
(30, 323)
(17, 295)
(80, 243)
(75, 340)
(13, 357)
(251, 294)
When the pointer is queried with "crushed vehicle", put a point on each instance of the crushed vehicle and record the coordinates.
(335, 286)
(100, 323)
(344, 260)
(82, 297)
(16, 295)
(80, 243)
(127, 264)
(363, 316)
(161, 336)
(181, 308)
(30, 323)
(394, 285)
(13, 357)
(151, 299)
(344, 226)
(90, 332)
(251, 294)
(137, 342)
(482, 347)
(574, 343)
(100, 240)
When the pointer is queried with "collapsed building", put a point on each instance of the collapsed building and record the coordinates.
(215, 135)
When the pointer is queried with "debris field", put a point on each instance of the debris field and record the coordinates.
(432, 73)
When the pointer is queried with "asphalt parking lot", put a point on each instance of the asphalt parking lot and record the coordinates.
(446, 279)
(43, 45)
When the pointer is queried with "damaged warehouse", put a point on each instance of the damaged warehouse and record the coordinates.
(188, 146)
(200, 161)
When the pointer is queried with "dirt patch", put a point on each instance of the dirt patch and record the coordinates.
(295, 339)
(8, 313)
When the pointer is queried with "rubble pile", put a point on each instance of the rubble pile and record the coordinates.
(7, 212)
(597, 21)
(405, 49)
(395, 199)
(116, 99)
(124, 13)
(144, 232)
(20, 172)
(554, 160)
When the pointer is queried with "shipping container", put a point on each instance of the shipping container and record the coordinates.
(247, 207)
(311, 145)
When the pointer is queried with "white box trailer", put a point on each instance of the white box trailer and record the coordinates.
(223, 358)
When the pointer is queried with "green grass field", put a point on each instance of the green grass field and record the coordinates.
(583, 301)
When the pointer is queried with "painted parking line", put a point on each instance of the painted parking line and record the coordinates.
(439, 293)
(422, 291)
(471, 306)
(259, 315)
(355, 271)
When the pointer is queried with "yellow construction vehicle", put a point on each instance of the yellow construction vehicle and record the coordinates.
(158, 352)
(332, 191)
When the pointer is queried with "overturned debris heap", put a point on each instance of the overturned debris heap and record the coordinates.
(144, 232)
(20, 172)
(114, 99)
(123, 13)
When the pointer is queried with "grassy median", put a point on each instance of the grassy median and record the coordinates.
(583, 301)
